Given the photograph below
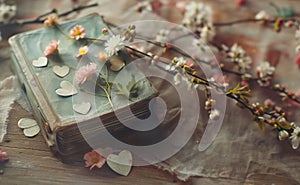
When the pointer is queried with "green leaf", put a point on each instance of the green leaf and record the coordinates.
(131, 83)
(131, 90)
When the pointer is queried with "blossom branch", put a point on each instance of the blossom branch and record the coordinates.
(41, 18)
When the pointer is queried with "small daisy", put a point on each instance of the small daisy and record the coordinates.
(114, 44)
(265, 70)
(51, 48)
(295, 138)
(93, 159)
(77, 32)
(84, 72)
(51, 20)
(82, 51)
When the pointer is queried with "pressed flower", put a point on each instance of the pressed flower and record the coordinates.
(114, 44)
(295, 138)
(77, 32)
(51, 48)
(93, 159)
(102, 56)
(82, 51)
(3, 156)
(84, 72)
(51, 20)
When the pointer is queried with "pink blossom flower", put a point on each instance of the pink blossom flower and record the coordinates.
(51, 20)
(82, 51)
(3, 156)
(77, 32)
(51, 48)
(102, 56)
(84, 72)
(297, 61)
(269, 103)
(93, 159)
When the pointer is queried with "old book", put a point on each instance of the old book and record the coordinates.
(62, 127)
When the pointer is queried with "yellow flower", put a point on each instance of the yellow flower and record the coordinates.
(51, 20)
(77, 32)
(82, 51)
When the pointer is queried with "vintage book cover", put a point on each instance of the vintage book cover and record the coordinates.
(55, 114)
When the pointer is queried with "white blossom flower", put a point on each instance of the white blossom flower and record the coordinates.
(177, 79)
(196, 16)
(144, 6)
(170, 68)
(214, 114)
(180, 61)
(162, 36)
(207, 33)
(283, 134)
(244, 63)
(262, 15)
(295, 138)
(265, 70)
(114, 44)
(236, 52)
(7, 12)
(238, 55)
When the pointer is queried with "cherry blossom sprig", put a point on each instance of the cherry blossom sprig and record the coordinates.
(42, 18)
(263, 114)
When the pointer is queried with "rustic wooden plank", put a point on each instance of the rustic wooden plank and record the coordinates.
(31, 162)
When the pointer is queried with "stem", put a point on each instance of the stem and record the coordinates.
(107, 94)
(77, 9)
(40, 19)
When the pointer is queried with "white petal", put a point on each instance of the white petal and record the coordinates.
(295, 142)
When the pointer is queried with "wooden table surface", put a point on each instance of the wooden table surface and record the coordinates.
(31, 161)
